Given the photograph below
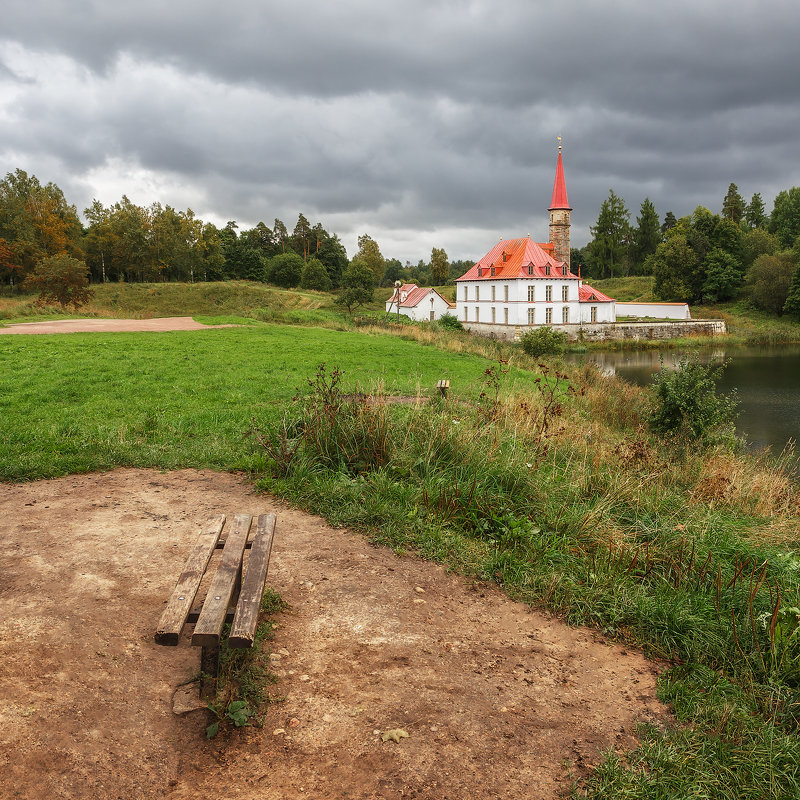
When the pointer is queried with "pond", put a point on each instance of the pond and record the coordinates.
(767, 380)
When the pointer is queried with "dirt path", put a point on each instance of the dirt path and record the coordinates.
(108, 325)
(497, 701)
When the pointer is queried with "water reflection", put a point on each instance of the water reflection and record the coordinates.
(767, 380)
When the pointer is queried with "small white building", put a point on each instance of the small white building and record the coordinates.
(420, 303)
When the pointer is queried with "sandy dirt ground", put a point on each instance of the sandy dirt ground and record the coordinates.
(497, 701)
(108, 325)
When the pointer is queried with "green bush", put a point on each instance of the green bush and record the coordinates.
(543, 341)
(285, 270)
(450, 323)
(686, 402)
(315, 276)
(60, 279)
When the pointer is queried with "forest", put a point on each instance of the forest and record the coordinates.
(704, 257)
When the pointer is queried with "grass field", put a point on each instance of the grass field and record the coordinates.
(542, 481)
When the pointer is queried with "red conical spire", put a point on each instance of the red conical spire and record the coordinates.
(559, 187)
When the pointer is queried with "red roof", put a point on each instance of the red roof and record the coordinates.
(559, 188)
(588, 294)
(518, 258)
(414, 295)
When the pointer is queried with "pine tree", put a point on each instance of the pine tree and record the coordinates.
(669, 222)
(646, 236)
(755, 214)
(733, 205)
(610, 245)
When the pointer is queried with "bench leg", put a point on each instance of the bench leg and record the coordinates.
(209, 667)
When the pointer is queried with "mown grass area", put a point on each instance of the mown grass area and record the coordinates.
(543, 482)
(94, 401)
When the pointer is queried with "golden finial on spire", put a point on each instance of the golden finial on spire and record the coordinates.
(559, 143)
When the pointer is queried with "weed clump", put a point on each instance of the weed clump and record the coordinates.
(543, 341)
(687, 404)
(564, 497)
(244, 675)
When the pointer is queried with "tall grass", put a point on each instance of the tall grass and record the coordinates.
(599, 522)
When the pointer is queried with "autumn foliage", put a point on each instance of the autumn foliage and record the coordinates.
(60, 280)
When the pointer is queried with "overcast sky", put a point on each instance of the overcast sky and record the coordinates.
(423, 123)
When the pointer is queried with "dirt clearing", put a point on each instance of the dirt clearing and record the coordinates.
(108, 325)
(497, 702)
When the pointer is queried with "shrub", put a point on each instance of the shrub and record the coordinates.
(358, 285)
(315, 276)
(543, 341)
(770, 279)
(60, 279)
(450, 323)
(285, 270)
(686, 402)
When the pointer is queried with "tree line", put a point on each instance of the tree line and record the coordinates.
(704, 257)
(43, 243)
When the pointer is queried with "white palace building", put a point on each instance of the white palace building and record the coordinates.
(520, 283)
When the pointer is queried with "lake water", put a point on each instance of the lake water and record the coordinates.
(767, 380)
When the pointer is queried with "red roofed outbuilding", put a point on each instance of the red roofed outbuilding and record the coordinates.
(419, 303)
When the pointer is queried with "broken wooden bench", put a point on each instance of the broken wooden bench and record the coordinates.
(232, 596)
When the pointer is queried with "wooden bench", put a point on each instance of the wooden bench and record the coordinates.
(231, 597)
(443, 386)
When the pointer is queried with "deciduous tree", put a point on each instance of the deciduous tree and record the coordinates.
(722, 276)
(315, 276)
(674, 266)
(785, 219)
(285, 269)
(792, 305)
(370, 254)
(770, 279)
(440, 268)
(60, 279)
(358, 285)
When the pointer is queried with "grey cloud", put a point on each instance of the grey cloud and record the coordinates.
(435, 117)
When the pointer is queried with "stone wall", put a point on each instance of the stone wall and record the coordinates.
(601, 331)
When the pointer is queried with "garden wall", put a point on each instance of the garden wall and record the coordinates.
(601, 331)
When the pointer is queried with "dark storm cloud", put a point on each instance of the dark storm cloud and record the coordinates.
(425, 123)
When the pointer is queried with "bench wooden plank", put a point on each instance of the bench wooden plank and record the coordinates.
(243, 629)
(212, 616)
(180, 603)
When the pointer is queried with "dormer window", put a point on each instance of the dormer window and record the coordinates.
(479, 272)
(492, 271)
(530, 269)
(547, 270)
(505, 256)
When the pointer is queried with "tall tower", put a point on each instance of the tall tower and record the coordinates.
(559, 213)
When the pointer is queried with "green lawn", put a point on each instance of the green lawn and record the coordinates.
(80, 402)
